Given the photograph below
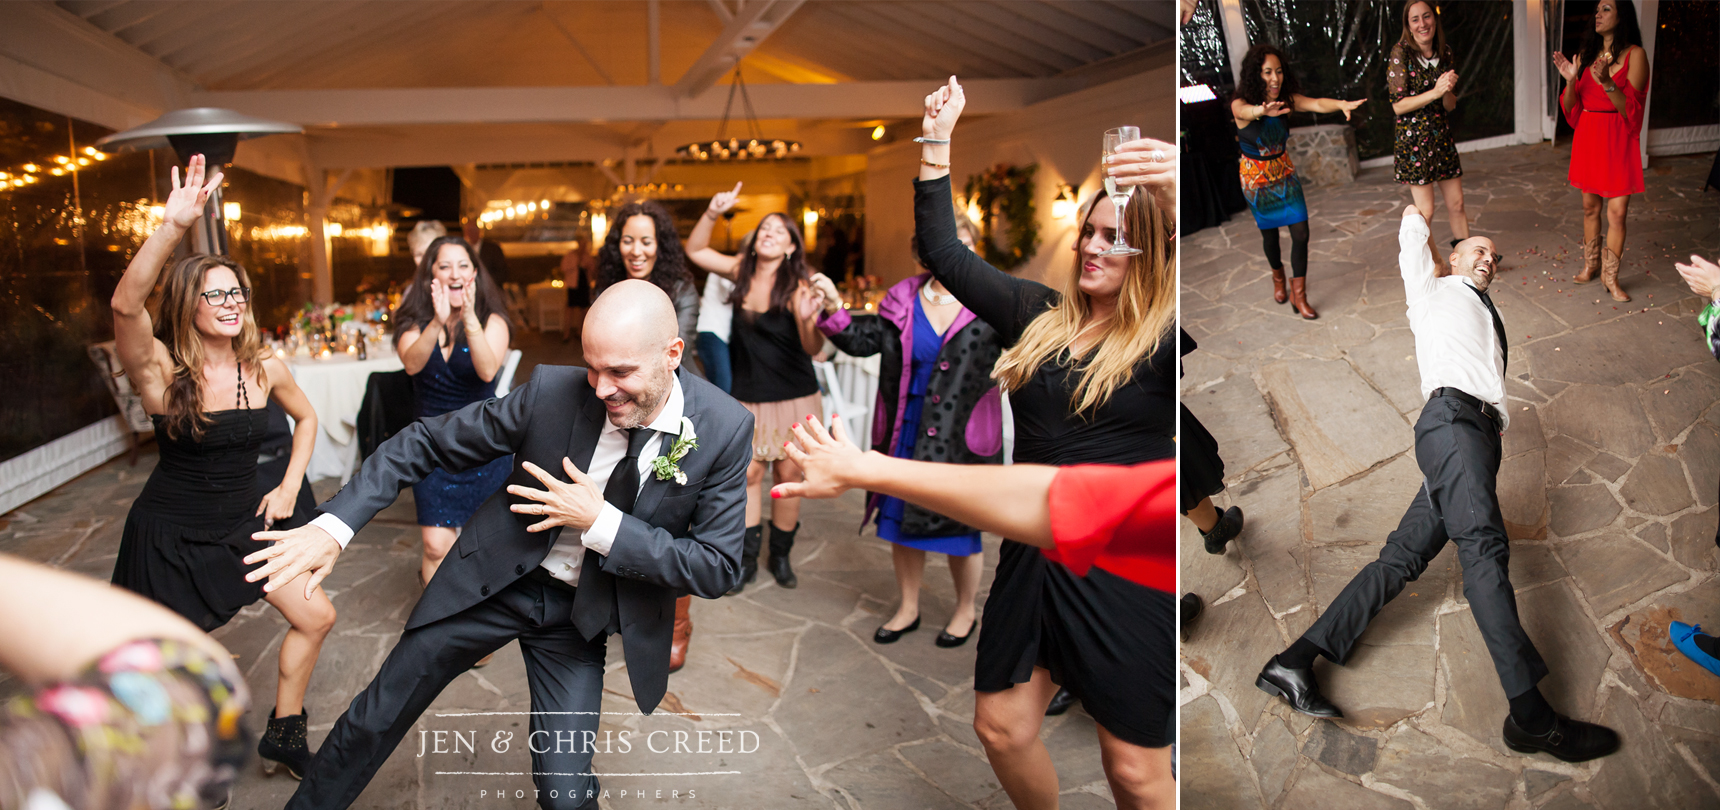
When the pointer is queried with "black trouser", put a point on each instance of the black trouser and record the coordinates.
(1458, 450)
(1298, 249)
(563, 669)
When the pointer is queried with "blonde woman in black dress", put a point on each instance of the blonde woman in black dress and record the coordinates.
(1423, 93)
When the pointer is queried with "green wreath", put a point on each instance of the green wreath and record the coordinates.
(1007, 190)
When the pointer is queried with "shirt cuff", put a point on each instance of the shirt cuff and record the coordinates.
(835, 322)
(336, 528)
(601, 536)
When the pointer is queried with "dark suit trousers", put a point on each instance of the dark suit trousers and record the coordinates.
(563, 669)
(1457, 448)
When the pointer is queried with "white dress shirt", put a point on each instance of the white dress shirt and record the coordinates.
(568, 553)
(1456, 345)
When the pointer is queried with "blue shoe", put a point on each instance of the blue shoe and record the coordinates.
(1684, 637)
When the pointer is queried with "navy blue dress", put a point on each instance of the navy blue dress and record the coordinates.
(927, 344)
(445, 498)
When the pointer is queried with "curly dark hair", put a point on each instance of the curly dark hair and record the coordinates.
(1251, 88)
(416, 308)
(1627, 33)
(670, 267)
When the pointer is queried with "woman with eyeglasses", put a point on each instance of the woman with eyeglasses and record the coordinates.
(205, 381)
(452, 338)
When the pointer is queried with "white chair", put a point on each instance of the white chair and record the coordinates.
(505, 380)
(106, 358)
(853, 414)
(549, 314)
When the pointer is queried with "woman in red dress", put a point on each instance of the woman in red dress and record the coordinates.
(1606, 91)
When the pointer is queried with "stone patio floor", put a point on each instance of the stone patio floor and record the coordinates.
(826, 717)
(1608, 489)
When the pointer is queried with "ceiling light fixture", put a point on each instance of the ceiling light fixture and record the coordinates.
(754, 148)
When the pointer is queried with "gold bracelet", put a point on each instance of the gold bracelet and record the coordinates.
(934, 165)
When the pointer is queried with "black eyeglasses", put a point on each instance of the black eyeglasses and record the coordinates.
(219, 298)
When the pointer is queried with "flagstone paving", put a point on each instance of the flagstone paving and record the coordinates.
(810, 712)
(1608, 490)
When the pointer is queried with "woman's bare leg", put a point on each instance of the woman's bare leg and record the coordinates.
(437, 541)
(1007, 723)
(311, 621)
(1452, 191)
(1140, 777)
(910, 564)
(966, 572)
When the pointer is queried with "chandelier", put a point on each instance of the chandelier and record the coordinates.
(755, 147)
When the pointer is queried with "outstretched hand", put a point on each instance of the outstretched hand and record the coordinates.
(576, 502)
(1565, 66)
(828, 460)
(943, 107)
(307, 548)
(1702, 275)
(724, 200)
(1347, 107)
(185, 203)
(1274, 109)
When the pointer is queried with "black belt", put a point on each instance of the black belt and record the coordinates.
(542, 576)
(1460, 395)
(1601, 111)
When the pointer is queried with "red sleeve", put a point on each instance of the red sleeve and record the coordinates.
(1635, 101)
(1124, 508)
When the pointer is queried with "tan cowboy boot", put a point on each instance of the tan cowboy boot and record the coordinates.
(1591, 261)
(1609, 275)
(1299, 298)
(683, 633)
(1278, 285)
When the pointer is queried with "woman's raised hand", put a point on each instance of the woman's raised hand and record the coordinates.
(807, 301)
(439, 300)
(185, 203)
(1601, 70)
(827, 289)
(1273, 109)
(1565, 66)
(943, 107)
(1347, 107)
(724, 200)
(1150, 164)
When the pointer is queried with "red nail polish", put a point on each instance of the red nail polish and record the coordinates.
(775, 494)
(809, 417)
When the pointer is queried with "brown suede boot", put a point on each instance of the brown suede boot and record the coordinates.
(1299, 298)
(1278, 285)
(1591, 261)
(683, 633)
(1609, 275)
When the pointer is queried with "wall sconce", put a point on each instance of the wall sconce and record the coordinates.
(810, 217)
(333, 229)
(878, 132)
(1064, 206)
(599, 226)
(230, 211)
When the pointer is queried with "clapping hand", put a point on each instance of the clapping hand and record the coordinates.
(1447, 82)
(574, 503)
(185, 203)
(943, 107)
(1601, 69)
(827, 460)
(1150, 164)
(1565, 66)
(724, 200)
(1702, 275)
(439, 301)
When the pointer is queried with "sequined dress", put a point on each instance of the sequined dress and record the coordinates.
(445, 498)
(1423, 151)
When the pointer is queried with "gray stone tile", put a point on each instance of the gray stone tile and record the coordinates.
(1274, 758)
(1333, 443)
(1616, 571)
(1381, 685)
(828, 661)
(958, 772)
(1578, 509)
(880, 780)
(1421, 765)
(1340, 750)
(1235, 409)
(1214, 775)
(1610, 418)
(1272, 539)
(1354, 512)
(1316, 788)
(1645, 765)
(1656, 486)
(1537, 782)
(1692, 541)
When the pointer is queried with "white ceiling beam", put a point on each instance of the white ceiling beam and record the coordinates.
(653, 43)
(752, 25)
(722, 11)
(1061, 20)
(543, 7)
(407, 106)
(1004, 40)
(220, 60)
(59, 43)
(916, 35)
(417, 17)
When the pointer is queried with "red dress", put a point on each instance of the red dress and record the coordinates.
(1606, 153)
(1120, 519)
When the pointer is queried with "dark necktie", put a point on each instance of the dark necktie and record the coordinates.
(1498, 327)
(594, 603)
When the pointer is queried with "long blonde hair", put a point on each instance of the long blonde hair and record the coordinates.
(180, 297)
(1146, 311)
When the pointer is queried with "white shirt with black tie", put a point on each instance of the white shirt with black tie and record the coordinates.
(1456, 345)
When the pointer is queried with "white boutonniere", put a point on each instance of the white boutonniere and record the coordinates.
(668, 465)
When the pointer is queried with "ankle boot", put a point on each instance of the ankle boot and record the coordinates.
(1591, 261)
(1278, 293)
(749, 557)
(781, 543)
(284, 744)
(683, 633)
(1299, 298)
(1609, 275)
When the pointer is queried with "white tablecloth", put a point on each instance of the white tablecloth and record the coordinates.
(545, 298)
(335, 387)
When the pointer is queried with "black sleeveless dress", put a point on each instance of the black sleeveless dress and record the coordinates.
(189, 531)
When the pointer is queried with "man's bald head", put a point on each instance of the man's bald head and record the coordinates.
(1475, 259)
(632, 347)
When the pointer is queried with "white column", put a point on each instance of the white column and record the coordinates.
(1529, 43)
(1649, 19)
(1235, 36)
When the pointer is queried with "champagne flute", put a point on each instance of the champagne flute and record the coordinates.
(1119, 194)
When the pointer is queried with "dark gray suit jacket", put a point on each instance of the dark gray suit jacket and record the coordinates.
(678, 539)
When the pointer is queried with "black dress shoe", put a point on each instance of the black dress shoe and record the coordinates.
(884, 636)
(1060, 703)
(1297, 687)
(1569, 740)
(1229, 525)
(1192, 606)
(947, 641)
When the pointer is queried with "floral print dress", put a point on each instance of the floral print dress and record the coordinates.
(1423, 147)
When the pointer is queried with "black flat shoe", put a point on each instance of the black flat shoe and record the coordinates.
(1229, 525)
(884, 636)
(947, 641)
(1192, 607)
(1060, 703)
(1569, 740)
(1297, 687)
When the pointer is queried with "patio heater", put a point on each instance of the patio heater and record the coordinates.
(211, 132)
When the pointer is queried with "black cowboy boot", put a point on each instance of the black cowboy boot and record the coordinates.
(284, 744)
(749, 557)
(781, 543)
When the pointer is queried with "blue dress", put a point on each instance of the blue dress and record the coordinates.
(1268, 177)
(444, 498)
(927, 344)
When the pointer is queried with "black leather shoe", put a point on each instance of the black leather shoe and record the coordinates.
(1569, 740)
(884, 636)
(948, 641)
(1229, 525)
(1297, 687)
(1060, 703)
(1191, 608)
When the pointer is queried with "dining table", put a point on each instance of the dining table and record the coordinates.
(335, 382)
